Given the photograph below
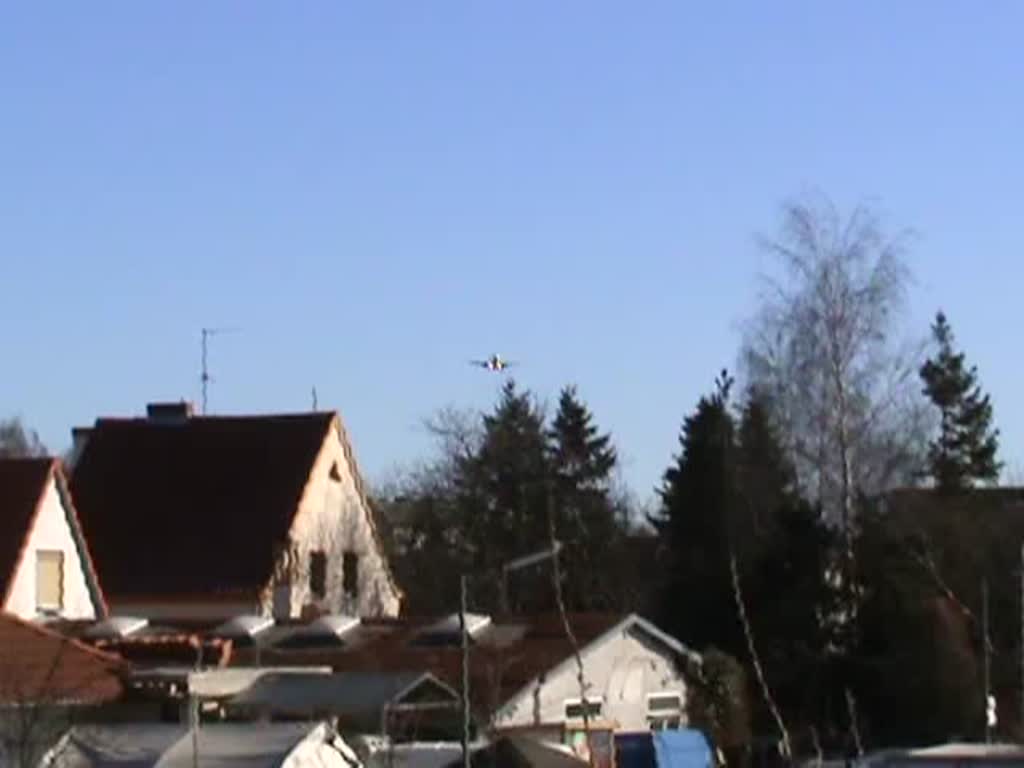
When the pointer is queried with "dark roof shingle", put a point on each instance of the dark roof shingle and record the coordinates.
(197, 507)
(22, 484)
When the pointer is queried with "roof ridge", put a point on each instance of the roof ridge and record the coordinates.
(221, 417)
(33, 518)
(360, 486)
(78, 536)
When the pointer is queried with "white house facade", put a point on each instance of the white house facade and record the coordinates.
(51, 574)
(633, 683)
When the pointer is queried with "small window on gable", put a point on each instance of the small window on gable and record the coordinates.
(335, 473)
(664, 711)
(350, 573)
(574, 708)
(49, 580)
(318, 573)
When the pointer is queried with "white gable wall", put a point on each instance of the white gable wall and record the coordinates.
(622, 669)
(332, 518)
(51, 532)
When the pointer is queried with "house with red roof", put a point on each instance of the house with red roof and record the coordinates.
(45, 567)
(207, 517)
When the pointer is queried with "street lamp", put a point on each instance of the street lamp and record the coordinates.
(511, 566)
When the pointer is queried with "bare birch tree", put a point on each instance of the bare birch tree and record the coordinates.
(824, 347)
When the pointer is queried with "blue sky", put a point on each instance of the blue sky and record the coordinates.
(375, 193)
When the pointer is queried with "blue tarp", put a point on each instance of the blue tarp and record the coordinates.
(681, 749)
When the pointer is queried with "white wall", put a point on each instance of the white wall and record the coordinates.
(332, 517)
(624, 669)
(53, 532)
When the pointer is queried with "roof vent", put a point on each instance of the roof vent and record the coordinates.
(116, 627)
(169, 413)
(325, 632)
(448, 631)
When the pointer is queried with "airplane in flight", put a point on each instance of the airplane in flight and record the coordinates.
(493, 363)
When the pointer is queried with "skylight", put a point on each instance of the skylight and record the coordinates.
(244, 626)
(448, 631)
(327, 631)
(116, 626)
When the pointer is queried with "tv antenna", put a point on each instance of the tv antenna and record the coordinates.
(205, 377)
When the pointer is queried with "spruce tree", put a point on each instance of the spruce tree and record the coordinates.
(587, 515)
(966, 447)
(697, 502)
(502, 496)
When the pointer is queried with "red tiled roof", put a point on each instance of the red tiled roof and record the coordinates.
(201, 506)
(38, 665)
(23, 484)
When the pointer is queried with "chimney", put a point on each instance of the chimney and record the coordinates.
(79, 437)
(169, 413)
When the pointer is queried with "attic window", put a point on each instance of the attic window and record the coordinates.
(574, 708)
(350, 573)
(335, 473)
(49, 580)
(318, 573)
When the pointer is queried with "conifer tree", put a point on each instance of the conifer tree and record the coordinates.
(587, 514)
(502, 493)
(697, 500)
(966, 447)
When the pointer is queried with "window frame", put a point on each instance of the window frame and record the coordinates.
(661, 717)
(594, 707)
(318, 573)
(350, 586)
(57, 557)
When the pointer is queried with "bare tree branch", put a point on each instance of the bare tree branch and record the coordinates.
(748, 632)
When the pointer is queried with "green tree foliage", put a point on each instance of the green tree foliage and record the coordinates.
(966, 447)
(718, 702)
(697, 499)
(17, 441)
(486, 499)
(502, 494)
(590, 520)
(916, 663)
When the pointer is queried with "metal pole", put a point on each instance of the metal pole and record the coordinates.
(465, 671)
(988, 681)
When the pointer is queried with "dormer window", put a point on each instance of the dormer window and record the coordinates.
(335, 473)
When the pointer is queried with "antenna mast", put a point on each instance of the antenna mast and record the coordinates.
(205, 377)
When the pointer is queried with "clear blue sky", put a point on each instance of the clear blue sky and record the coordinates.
(375, 193)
